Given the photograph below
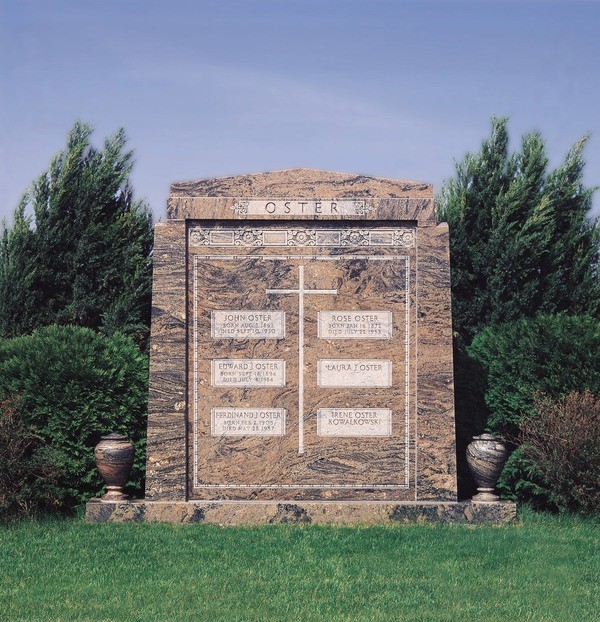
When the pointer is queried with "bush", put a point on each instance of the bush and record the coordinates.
(25, 465)
(553, 355)
(73, 386)
(561, 440)
(549, 354)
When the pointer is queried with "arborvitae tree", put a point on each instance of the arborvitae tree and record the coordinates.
(79, 251)
(521, 241)
(18, 298)
(521, 244)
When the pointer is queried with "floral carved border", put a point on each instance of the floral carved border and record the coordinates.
(351, 238)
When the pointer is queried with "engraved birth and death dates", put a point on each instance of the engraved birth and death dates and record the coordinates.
(347, 373)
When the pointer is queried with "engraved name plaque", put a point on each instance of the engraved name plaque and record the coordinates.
(248, 373)
(355, 324)
(300, 207)
(349, 422)
(248, 324)
(248, 421)
(354, 373)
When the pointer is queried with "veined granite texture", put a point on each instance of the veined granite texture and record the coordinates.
(166, 468)
(435, 433)
(302, 462)
(231, 513)
(301, 182)
(389, 199)
(219, 252)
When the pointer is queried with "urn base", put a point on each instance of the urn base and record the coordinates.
(114, 493)
(485, 495)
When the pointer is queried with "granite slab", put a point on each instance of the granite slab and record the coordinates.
(232, 513)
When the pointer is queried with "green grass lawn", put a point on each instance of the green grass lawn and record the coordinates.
(546, 568)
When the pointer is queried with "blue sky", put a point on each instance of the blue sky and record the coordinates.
(217, 87)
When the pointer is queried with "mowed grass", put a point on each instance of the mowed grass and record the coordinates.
(546, 568)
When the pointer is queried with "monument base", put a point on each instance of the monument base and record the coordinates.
(300, 512)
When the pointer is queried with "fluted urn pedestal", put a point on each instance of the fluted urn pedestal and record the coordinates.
(486, 456)
(114, 459)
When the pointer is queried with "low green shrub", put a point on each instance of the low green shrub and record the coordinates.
(521, 480)
(74, 385)
(549, 355)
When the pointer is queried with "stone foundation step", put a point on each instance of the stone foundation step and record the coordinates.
(301, 512)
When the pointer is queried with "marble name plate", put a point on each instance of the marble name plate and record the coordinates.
(354, 373)
(247, 324)
(297, 207)
(248, 421)
(354, 422)
(355, 324)
(248, 373)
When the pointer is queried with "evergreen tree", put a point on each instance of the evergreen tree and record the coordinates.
(18, 297)
(520, 239)
(521, 244)
(79, 251)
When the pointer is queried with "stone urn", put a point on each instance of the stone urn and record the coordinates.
(114, 458)
(486, 456)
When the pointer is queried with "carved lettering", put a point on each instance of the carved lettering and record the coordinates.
(355, 324)
(354, 373)
(352, 422)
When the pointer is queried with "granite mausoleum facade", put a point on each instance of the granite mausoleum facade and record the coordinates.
(301, 354)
